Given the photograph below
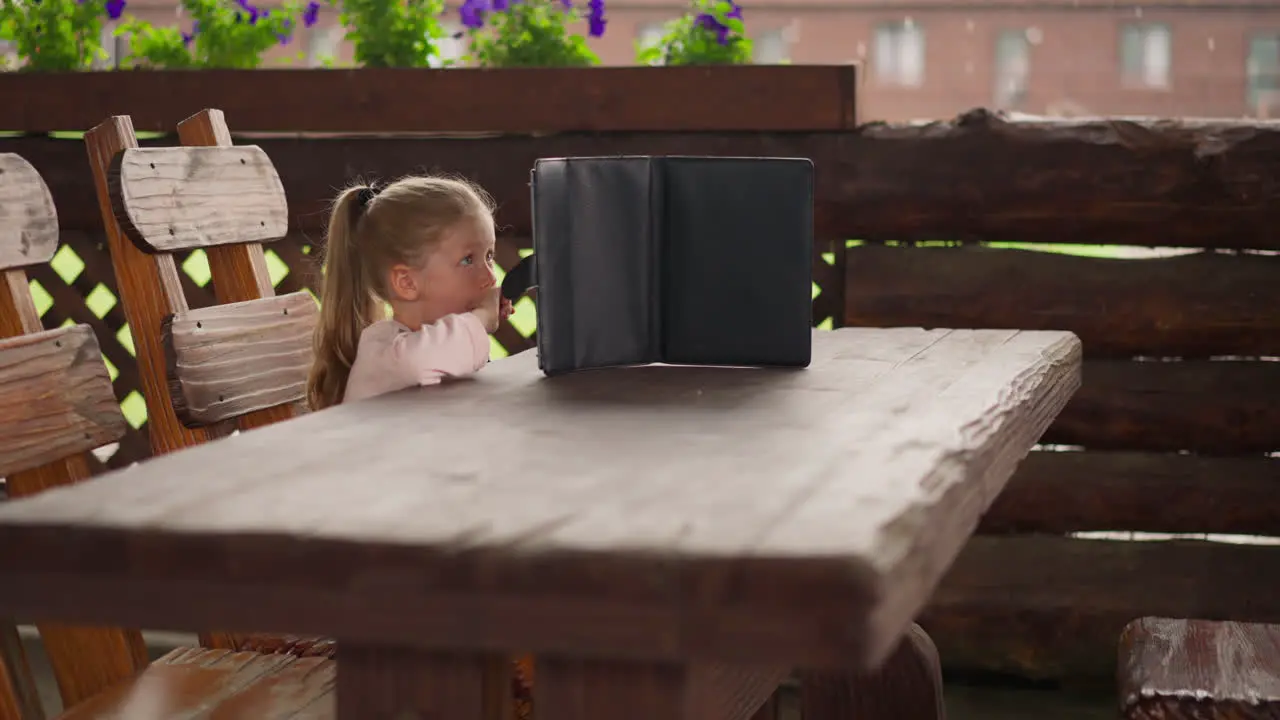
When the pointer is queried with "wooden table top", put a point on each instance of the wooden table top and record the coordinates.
(799, 516)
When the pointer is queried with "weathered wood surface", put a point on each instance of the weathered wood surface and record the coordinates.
(658, 557)
(1190, 306)
(207, 684)
(1054, 607)
(225, 361)
(177, 198)
(55, 398)
(1097, 181)
(1218, 408)
(751, 98)
(28, 220)
(1173, 669)
(907, 687)
(1061, 492)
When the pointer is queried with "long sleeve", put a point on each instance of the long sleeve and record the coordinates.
(453, 346)
(392, 357)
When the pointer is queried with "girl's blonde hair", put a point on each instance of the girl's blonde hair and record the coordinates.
(370, 230)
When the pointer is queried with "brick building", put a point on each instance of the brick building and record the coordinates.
(934, 58)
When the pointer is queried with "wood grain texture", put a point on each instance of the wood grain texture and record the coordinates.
(1061, 492)
(1050, 607)
(149, 290)
(19, 696)
(584, 689)
(197, 684)
(1217, 408)
(389, 683)
(55, 398)
(907, 687)
(906, 436)
(178, 198)
(28, 219)
(1174, 669)
(965, 180)
(1190, 306)
(751, 98)
(225, 361)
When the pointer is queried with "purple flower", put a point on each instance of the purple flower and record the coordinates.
(568, 4)
(311, 14)
(710, 22)
(736, 12)
(595, 18)
(254, 13)
(472, 13)
(187, 38)
(115, 8)
(499, 5)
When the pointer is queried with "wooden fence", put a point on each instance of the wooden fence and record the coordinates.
(1176, 426)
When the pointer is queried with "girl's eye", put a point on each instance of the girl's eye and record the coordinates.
(489, 257)
(466, 260)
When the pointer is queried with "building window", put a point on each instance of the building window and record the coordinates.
(451, 47)
(1263, 72)
(771, 47)
(650, 35)
(1145, 55)
(323, 44)
(899, 54)
(1013, 67)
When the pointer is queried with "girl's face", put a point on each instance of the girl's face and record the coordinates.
(454, 277)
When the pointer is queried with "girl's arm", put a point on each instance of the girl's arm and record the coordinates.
(453, 346)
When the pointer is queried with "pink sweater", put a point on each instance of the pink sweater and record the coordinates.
(392, 357)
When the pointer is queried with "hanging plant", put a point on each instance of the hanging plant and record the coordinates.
(57, 34)
(531, 33)
(711, 33)
(224, 35)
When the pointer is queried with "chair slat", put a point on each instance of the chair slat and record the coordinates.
(228, 360)
(175, 198)
(55, 398)
(28, 219)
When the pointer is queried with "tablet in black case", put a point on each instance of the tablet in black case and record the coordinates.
(681, 260)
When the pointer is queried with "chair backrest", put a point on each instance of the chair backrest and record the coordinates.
(56, 405)
(203, 372)
(244, 360)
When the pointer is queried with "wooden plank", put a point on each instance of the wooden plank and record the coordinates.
(228, 360)
(1173, 669)
(780, 97)
(55, 398)
(1061, 492)
(656, 558)
(1191, 306)
(179, 198)
(28, 219)
(19, 696)
(1052, 607)
(947, 181)
(1219, 408)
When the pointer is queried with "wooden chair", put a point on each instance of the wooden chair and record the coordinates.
(1171, 669)
(56, 405)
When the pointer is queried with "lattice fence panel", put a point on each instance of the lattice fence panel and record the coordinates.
(79, 287)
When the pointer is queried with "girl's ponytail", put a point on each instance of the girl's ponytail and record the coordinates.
(347, 303)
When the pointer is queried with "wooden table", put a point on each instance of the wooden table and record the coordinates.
(645, 519)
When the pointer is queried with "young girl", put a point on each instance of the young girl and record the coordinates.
(423, 246)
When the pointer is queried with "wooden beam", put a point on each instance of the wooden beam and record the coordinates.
(1193, 306)
(1215, 408)
(600, 99)
(1062, 492)
(976, 178)
(1052, 607)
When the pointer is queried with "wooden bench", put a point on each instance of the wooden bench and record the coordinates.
(1177, 669)
(57, 404)
(666, 541)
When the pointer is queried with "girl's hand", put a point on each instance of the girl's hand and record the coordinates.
(488, 310)
(505, 308)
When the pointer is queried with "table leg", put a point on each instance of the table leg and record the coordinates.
(907, 687)
(574, 689)
(397, 683)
